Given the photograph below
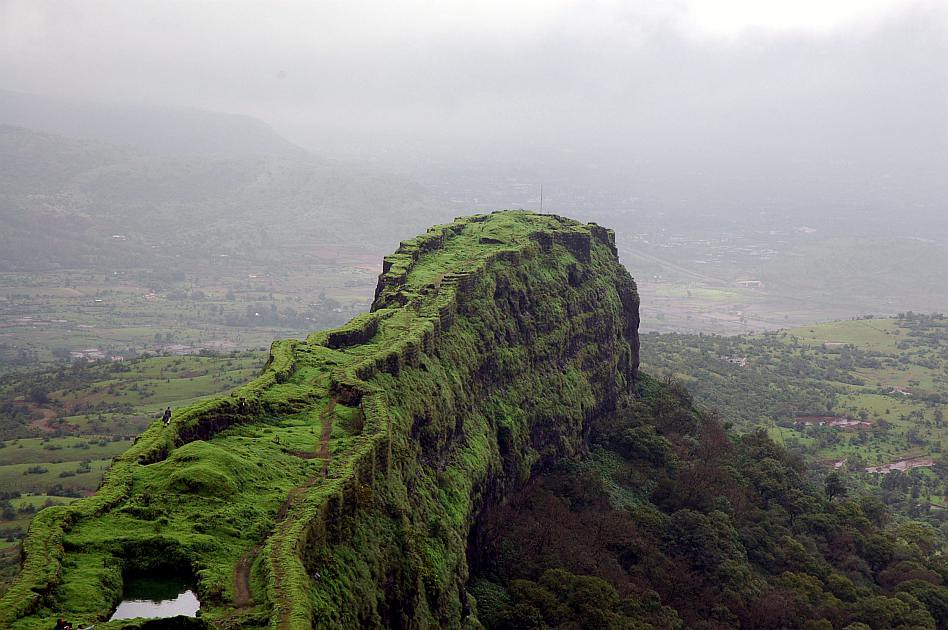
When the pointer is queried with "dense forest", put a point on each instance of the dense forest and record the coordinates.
(673, 521)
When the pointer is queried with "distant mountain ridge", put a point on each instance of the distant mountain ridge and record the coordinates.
(154, 130)
(232, 187)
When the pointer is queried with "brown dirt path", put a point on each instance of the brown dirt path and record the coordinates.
(323, 452)
(242, 596)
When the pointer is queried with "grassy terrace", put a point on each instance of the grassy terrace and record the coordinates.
(239, 486)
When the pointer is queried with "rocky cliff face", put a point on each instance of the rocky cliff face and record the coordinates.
(339, 488)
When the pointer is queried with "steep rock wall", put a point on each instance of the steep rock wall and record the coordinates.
(535, 345)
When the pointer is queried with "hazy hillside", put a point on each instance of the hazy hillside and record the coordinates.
(157, 130)
(888, 275)
(68, 202)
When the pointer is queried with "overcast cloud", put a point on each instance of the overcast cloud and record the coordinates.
(742, 94)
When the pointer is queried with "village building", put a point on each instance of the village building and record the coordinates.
(903, 465)
(750, 284)
(739, 361)
(842, 422)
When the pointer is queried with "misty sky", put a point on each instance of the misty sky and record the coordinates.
(735, 92)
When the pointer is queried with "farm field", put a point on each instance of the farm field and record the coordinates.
(54, 318)
(61, 427)
(865, 398)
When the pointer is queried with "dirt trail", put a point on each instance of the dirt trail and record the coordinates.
(323, 452)
(242, 596)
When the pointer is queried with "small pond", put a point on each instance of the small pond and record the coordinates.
(157, 596)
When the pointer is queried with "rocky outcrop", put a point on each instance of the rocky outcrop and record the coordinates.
(492, 344)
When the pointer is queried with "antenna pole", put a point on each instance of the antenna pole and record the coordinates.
(541, 197)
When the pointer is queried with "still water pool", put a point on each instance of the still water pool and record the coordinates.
(157, 596)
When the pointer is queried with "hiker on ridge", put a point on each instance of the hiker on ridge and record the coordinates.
(167, 417)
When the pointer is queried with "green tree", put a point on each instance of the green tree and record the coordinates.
(934, 596)
(834, 485)
(38, 394)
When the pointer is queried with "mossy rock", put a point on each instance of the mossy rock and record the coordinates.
(204, 469)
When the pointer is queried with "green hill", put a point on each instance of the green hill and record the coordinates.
(478, 449)
(379, 431)
(161, 131)
(82, 203)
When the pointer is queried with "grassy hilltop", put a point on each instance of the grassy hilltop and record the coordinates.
(338, 487)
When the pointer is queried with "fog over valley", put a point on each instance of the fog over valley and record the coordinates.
(613, 105)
